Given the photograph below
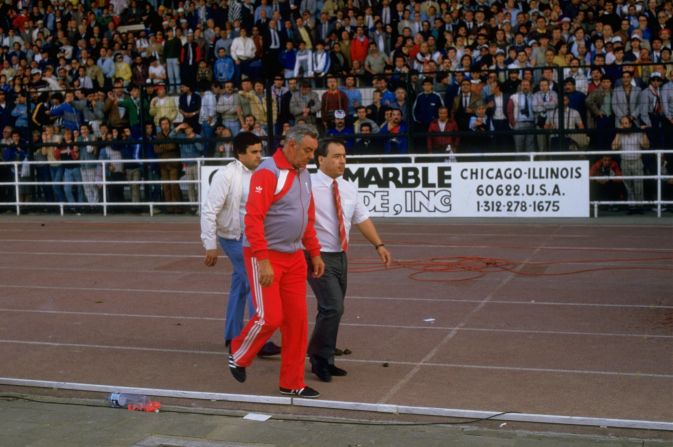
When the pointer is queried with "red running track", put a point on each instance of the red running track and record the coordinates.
(567, 317)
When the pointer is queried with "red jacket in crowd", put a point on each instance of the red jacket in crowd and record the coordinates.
(359, 49)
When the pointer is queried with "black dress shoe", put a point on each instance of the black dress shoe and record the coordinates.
(322, 372)
(336, 371)
(321, 368)
(269, 349)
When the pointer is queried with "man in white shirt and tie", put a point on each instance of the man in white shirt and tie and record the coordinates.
(521, 117)
(337, 207)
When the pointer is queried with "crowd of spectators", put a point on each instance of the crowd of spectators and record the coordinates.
(134, 81)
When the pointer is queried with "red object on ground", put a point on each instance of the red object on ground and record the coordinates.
(149, 407)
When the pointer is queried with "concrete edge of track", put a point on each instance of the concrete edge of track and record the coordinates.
(350, 406)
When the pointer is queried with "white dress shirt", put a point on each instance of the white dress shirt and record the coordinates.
(208, 112)
(243, 48)
(499, 111)
(326, 221)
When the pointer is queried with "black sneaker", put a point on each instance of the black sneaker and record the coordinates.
(306, 392)
(237, 371)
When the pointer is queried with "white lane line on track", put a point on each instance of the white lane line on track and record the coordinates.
(400, 244)
(357, 298)
(363, 325)
(99, 254)
(200, 270)
(365, 361)
(513, 331)
(616, 261)
(115, 289)
(159, 270)
(113, 314)
(520, 303)
(359, 239)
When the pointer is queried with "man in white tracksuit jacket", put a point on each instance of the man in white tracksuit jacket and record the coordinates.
(222, 217)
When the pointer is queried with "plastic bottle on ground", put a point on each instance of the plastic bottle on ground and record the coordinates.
(136, 402)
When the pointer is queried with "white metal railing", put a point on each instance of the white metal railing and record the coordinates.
(16, 182)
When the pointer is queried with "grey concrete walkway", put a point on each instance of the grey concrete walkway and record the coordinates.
(37, 421)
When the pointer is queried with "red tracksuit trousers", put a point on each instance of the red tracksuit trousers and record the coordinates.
(281, 305)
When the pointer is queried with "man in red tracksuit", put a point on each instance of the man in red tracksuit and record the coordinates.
(279, 225)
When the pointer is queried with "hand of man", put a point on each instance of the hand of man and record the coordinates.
(385, 256)
(211, 257)
(318, 266)
(265, 273)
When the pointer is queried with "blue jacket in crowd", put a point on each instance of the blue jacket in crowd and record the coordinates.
(425, 108)
(69, 115)
(398, 143)
(224, 69)
(132, 151)
(188, 148)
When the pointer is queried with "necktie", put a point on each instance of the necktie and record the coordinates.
(466, 101)
(340, 216)
(657, 104)
(274, 39)
(628, 102)
(524, 111)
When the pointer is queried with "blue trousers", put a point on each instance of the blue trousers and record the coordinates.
(57, 173)
(73, 175)
(173, 71)
(239, 291)
(233, 125)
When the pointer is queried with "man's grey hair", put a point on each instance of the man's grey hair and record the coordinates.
(298, 132)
